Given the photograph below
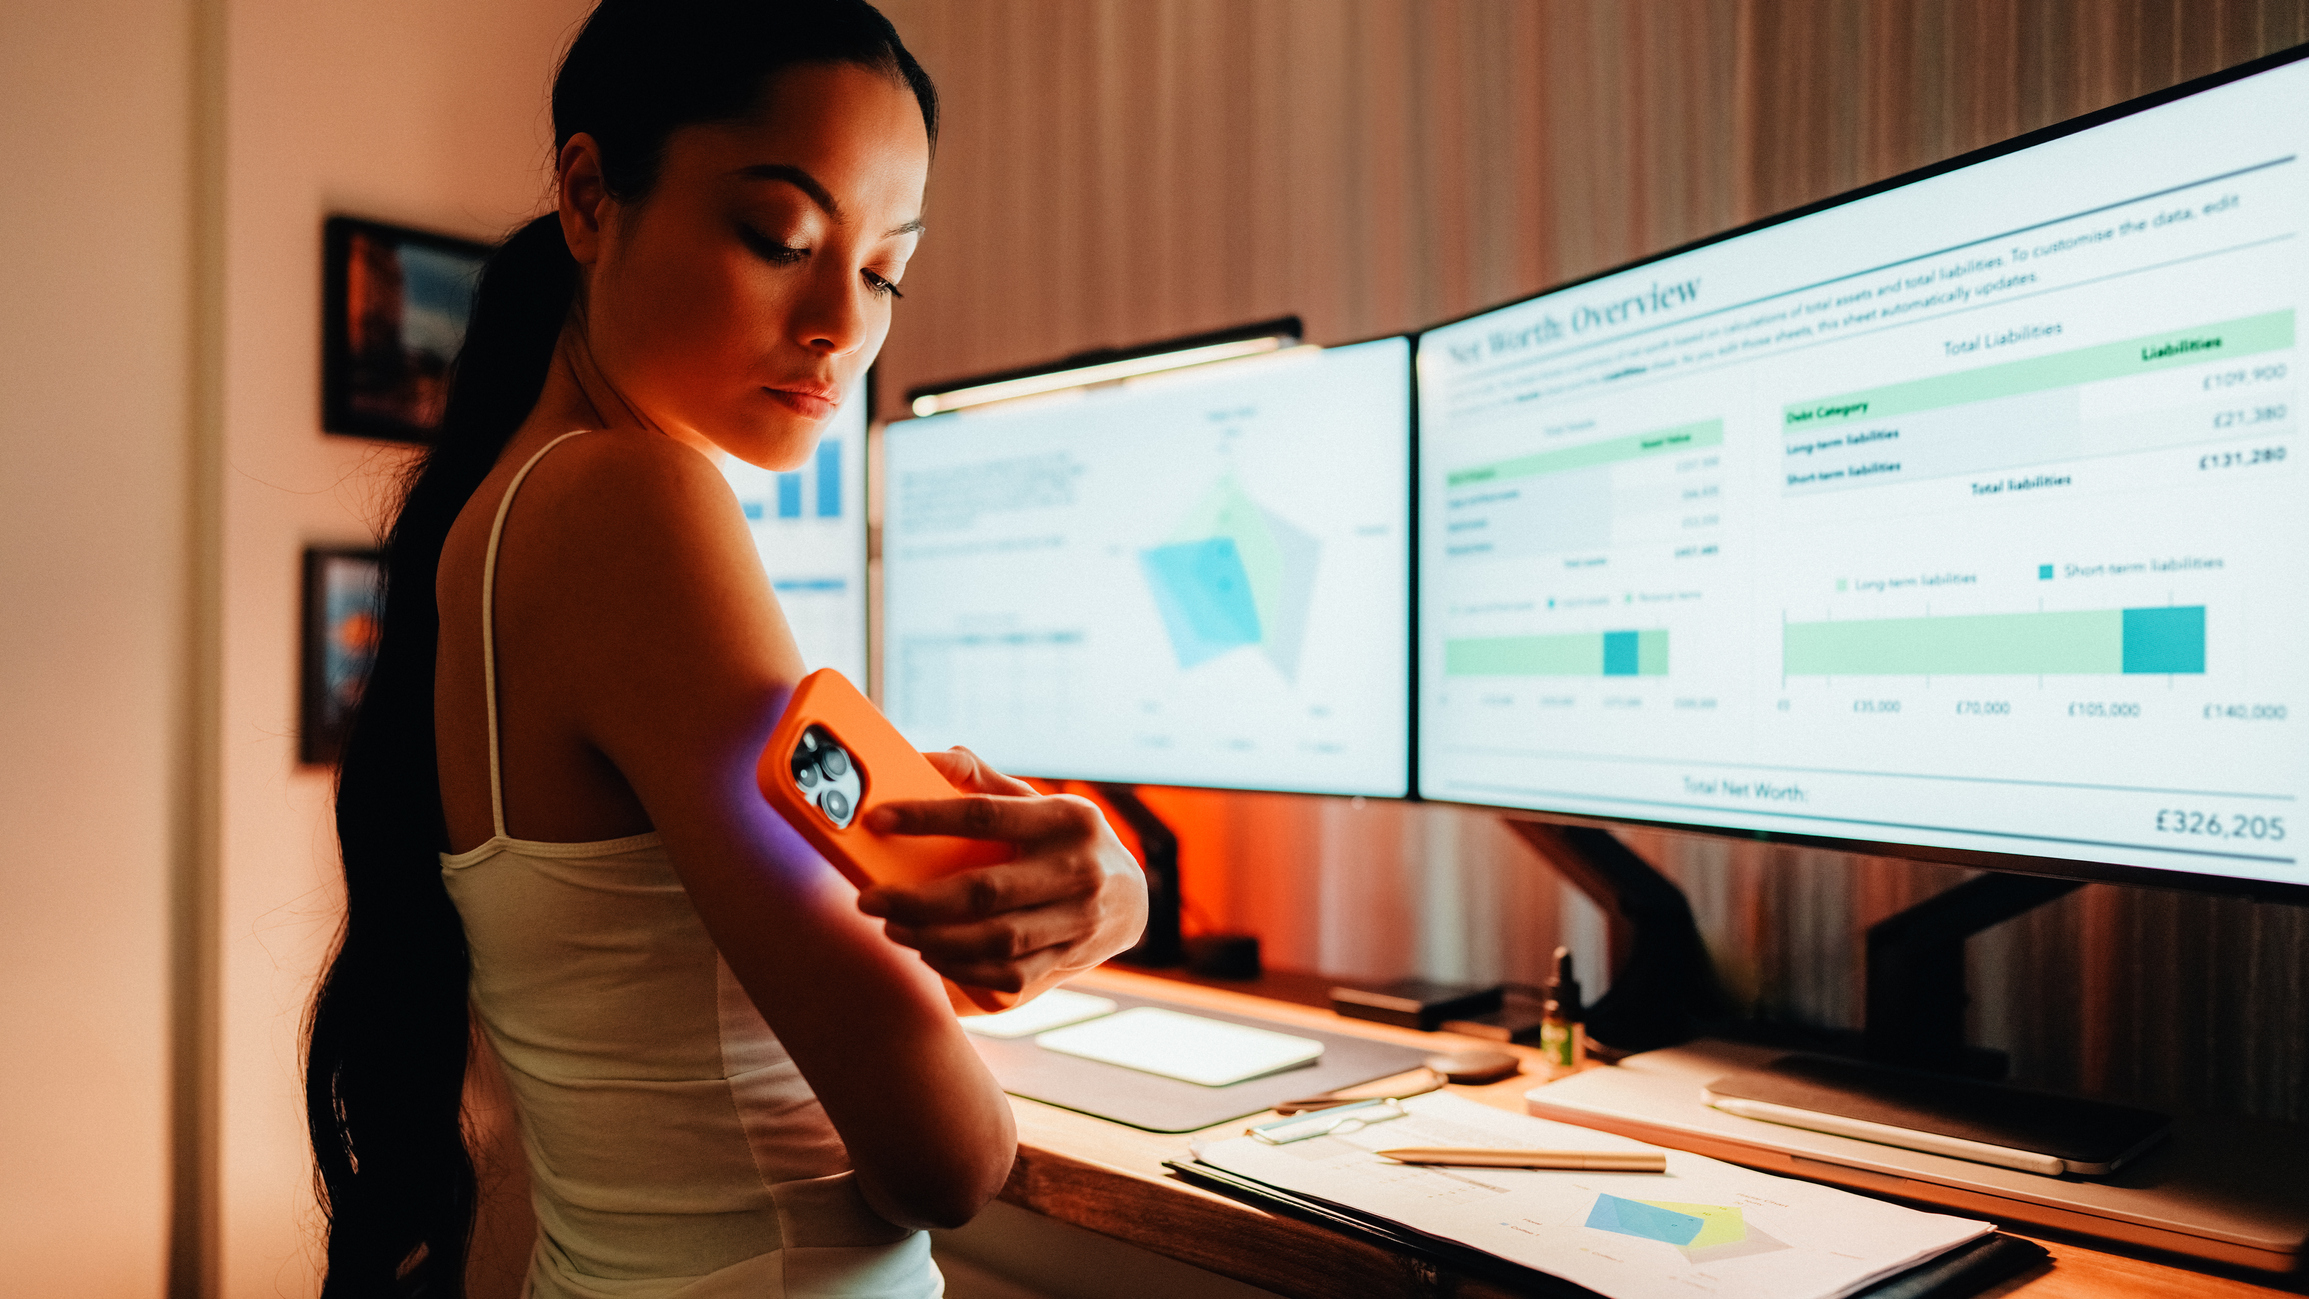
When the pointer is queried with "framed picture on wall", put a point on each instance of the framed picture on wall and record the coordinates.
(394, 303)
(343, 592)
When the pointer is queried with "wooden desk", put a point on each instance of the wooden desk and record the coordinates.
(1109, 1179)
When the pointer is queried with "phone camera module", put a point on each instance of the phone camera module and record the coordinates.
(827, 777)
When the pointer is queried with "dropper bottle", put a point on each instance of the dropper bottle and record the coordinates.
(1562, 1034)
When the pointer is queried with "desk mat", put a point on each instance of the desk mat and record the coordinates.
(1158, 1104)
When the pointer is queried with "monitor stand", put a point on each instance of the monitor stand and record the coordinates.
(1663, 992)
(1161, 946)
(1663, 985)
(1916, 997)
(1918, 1084)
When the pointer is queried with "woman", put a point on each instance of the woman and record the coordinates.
(735, 1074)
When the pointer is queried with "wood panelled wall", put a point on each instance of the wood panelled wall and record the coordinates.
(1116, 171)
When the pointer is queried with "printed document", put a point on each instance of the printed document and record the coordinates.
(1704, 1227)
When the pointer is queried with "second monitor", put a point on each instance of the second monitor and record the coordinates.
(809, 525)
(1195, 578)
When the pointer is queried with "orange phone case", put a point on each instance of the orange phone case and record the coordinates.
(889, 770)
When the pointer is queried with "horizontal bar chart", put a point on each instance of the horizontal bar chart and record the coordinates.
(2161, 640)
(1574, 654)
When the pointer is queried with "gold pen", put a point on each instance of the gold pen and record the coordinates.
(1593, 1161)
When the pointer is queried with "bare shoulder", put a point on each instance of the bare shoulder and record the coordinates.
(634, 524)
(604, 503)
(621, 476)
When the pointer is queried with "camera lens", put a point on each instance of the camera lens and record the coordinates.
(836, 805)
(805, 771)
(836, 762)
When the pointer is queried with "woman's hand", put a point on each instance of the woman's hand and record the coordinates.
(1072, 897)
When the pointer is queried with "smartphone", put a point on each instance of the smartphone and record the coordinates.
(834, 757)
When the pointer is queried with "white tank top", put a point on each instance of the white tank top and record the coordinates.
(674, 1149)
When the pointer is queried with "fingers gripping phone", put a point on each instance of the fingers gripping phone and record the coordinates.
(834, 757)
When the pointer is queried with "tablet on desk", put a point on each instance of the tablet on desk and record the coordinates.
(1189, 1048)
(1956, 1117)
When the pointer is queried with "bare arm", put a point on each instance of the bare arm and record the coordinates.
(679, 666)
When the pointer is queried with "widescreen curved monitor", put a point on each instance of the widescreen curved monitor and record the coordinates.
(1193, 578)
(1965, 515)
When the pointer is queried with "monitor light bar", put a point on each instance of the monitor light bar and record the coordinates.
(933, 403)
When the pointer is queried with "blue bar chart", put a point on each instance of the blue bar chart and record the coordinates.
(830, 479)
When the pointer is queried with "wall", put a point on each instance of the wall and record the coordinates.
(96, 359)
(1125, 170)
(433, 114)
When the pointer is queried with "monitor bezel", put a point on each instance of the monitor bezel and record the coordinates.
(2010, 863)
(1289, 327)
(867, 583)
(1410, 340)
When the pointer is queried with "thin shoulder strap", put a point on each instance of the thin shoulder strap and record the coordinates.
(489, 629)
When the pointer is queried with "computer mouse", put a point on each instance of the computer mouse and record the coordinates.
(1475, 1066)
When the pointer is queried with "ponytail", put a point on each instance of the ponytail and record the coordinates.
(388, 1035)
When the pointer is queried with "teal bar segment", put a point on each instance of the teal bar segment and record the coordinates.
(1619, 654)
(2165, 640)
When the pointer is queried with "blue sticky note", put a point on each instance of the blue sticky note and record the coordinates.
(1643, 1221)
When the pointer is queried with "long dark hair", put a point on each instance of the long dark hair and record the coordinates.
(387, 1038)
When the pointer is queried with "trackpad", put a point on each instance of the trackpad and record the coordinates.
(1186, 1047)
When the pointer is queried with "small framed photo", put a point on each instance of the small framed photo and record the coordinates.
(394, 305)
(344, 594)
